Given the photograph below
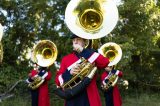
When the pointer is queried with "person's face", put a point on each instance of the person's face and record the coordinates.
(78, 41)
(35, 67)
(109, 68)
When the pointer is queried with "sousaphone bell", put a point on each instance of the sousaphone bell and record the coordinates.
(112, 51)
(91, 19)
(44, 53)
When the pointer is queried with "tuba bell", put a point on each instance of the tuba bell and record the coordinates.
(91, 19)
(112, 51)
(44, 54)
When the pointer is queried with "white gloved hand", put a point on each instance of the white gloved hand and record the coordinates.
(125, 83)
(77, 48)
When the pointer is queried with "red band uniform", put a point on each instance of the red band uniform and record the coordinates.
(112, 95)
(90, 96)
(40, 96)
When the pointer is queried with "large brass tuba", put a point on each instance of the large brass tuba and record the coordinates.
(88, 19)
(114, 52)
(44, 54)
(91, 19)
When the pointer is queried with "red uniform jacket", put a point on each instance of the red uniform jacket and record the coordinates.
(116, 94)
(92, 91)
(43, 96)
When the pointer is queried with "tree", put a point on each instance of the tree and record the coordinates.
(138, 32)
(27, 22)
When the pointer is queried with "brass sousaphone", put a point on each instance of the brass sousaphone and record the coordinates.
(44, 54)
(88, 19)
(112, 51)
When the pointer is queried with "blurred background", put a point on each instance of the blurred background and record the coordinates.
(28, 21)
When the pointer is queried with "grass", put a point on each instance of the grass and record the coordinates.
(142, 100)
(134, 99)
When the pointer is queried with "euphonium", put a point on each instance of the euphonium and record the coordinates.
(109, 81)
(44, 54)
(87, 69)
(37, 81)
(91, 19)
(114, 53)
(78, 82)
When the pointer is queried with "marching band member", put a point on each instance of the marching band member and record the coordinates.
(69, 67)
(40, 95)
(111, 94)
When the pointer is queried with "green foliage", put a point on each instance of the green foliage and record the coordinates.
(28, 21)
(136, 32)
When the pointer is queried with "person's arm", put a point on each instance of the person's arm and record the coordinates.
(121, 80)
(49, 76)
(63, 74)
(118, 73)
(70, 93)
(101, 62)
(30, 76)
(103, 75)
(58, 77)
(44, 73)
(94, 57)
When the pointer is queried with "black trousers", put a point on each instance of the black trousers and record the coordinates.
(109, 97)
(34, 97)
